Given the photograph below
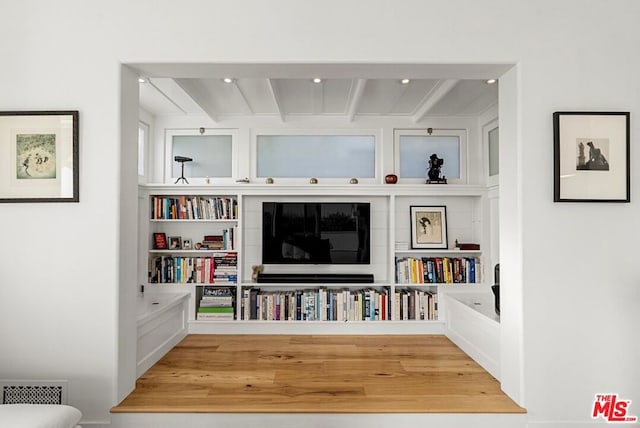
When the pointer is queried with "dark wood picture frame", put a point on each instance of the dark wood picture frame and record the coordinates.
(428, 227)
(40, 157)
(591, 156)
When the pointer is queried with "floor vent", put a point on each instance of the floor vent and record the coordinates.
(33, 392)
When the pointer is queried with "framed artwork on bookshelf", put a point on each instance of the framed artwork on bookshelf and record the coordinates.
(175, 243)
(186, 244)
(591, 156)
(159, 241)
(39, 154)
(428, 227)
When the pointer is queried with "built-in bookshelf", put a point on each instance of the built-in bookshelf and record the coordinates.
(222, 228)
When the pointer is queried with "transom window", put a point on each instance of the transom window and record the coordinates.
(211, 151)
(413, 148)
(322, 156)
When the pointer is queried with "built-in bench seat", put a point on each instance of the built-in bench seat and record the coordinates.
(162, 323)
(472, 323)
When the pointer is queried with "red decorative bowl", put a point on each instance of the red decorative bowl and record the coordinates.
(391, 179)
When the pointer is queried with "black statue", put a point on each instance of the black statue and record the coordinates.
(435, 167)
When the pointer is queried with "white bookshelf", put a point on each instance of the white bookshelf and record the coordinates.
(391, 206)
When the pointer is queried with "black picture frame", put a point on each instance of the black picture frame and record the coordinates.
(39, 154)
(591, 156)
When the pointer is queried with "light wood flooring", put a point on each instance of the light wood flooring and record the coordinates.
(317, 374)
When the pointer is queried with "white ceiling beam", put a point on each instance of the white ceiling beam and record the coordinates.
(355, 97)
(317, 97)
(199, 94)
(243, 96)
(167, 97)
(433, 97)
(276, 98)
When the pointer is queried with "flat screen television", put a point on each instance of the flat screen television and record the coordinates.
(315, 233)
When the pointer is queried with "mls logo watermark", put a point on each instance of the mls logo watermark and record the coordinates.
(612, 409)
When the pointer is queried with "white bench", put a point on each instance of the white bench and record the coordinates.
(162, 323)
(39, 416)
(472, 324)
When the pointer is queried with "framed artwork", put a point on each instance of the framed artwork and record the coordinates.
(175, 243)
(186, 244)
(160, 241)
(428, 227)
(591, 157)
(39, 156)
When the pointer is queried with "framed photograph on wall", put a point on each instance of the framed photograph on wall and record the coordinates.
(591, 157)
(428, 227)
(39, 156)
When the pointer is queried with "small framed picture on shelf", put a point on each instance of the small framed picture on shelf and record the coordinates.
(591, 156)
(186, 244)
(175, 243)
(428, 227)
(159, 241)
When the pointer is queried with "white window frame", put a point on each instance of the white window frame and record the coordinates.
(492, 180)
(318, 132)
(145, 151)
(168, 158)
(462, 138)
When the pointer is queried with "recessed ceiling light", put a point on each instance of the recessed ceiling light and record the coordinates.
(317, 80)
(405, 81)
(142, 80)
(227, 80)
(491, 81)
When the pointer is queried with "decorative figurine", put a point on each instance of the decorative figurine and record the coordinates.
(269, 180)
(313, 180)
(391, 179)
(435, 166)
(353, 181)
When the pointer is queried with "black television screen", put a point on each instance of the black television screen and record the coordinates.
(315, 233)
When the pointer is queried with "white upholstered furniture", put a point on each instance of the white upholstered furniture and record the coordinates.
(39, 416)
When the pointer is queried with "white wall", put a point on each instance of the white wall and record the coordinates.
(59, 295)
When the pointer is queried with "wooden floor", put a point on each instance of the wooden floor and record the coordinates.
(317, 374)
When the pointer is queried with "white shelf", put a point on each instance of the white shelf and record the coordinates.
(197, 284)
(192, 251)
(315, 284)
(193, 220)
(257, 189)
(440, 284)
(436, 251)
(316, 327)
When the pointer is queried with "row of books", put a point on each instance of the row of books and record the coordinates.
(219, 269)
(338, 305)
(216, 304)
(315, 305)
(193, 208)
(415, 305)
(438, 270)
(226, 241)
